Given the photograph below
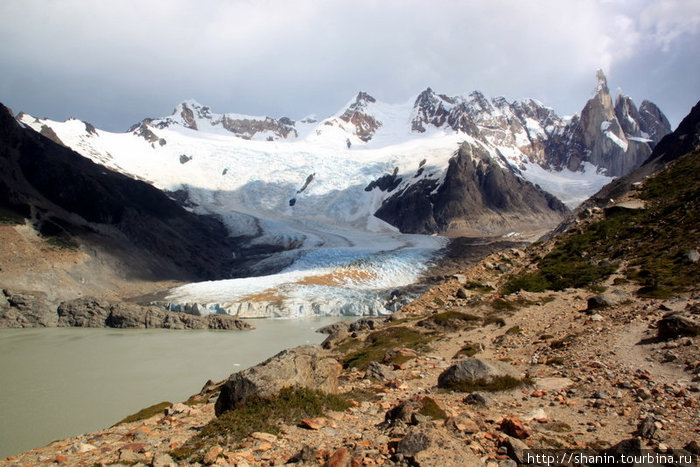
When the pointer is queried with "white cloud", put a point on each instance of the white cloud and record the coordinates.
(279, 57)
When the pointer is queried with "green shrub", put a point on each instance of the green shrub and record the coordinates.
(148, 412)
(377, 343)
(263, 414)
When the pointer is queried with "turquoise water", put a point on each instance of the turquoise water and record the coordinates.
(61, 382)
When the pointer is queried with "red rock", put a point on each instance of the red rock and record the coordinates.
(538, 393)
(136, 447)
(514, 427)
(60, 459)
(315, 423)
(340, 458)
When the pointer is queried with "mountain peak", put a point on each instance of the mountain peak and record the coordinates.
(363, 97)
(602, 85)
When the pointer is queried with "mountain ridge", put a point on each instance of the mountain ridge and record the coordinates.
(195, 152)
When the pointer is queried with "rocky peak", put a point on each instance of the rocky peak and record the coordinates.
(603, 134)
(628, 115)
(358, 115)
(430, 108)
(477, 195)
(653, 122)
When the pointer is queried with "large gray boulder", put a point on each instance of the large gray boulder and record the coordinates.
(607, 299)
(677, 324)
(305, 366)
(476, 371)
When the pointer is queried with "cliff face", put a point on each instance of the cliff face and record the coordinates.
(477, 195)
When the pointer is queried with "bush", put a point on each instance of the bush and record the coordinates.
(379, 342)
(264, 414)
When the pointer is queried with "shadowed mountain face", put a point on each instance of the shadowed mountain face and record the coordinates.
(67, 196)
(477, 195)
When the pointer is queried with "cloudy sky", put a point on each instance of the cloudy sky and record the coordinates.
(113, 63)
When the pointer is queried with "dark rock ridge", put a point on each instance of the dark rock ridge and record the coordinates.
(31, 310)
(477, 194)
(67, 196)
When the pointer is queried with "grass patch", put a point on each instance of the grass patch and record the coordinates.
(478, 287)
(379, 342)
(9, 216)
(449, 319)
(263, 414)
(62, 243)
(146, 413)
(555, 361)
(498, 383)
(468, 350)
(501, 304)
(561, 343)
(492, 319)
(514, 331)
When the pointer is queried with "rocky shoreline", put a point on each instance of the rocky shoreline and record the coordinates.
(31, 309)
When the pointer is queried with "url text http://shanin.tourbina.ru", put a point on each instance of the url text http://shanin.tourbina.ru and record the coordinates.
(556, 457)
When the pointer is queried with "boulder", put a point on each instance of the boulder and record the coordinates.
(364, 324)
(516, 449)
(676, 324)
(379, 372)
(306, 366)
(429, 444)
(691, 256)
(606, 300)
(226, 322)
(413, 411)
(476, 370)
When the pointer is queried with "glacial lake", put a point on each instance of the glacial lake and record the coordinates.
(61, 382)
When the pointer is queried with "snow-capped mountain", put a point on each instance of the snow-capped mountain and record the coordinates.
(366, 141)
(327, 189)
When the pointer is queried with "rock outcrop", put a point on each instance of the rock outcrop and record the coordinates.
(19, 309)
(305, 366)
(477, 194)
(196, 116)
(94, 313)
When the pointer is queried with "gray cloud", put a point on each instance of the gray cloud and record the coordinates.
(114, 63)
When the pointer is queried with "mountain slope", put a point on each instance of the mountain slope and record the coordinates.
(69, 197)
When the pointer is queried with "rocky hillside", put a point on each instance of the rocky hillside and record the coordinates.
(588, 343)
